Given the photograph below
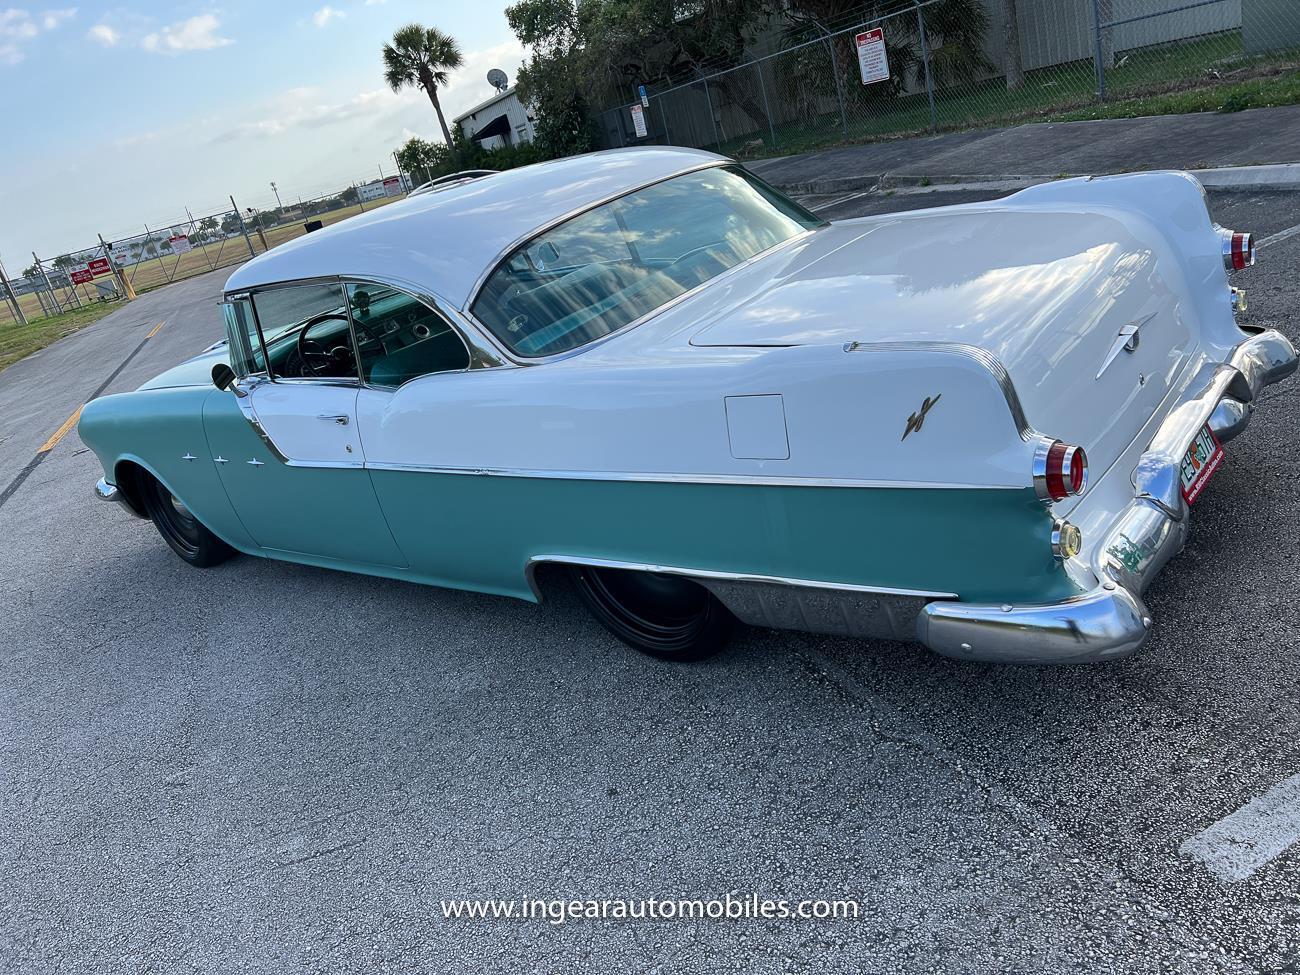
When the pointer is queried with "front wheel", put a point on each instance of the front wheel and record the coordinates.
(665, 616)
(180, 529)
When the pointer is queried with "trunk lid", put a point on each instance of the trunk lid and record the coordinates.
(1056, 296)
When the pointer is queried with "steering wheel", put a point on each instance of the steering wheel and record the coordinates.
(326, 363)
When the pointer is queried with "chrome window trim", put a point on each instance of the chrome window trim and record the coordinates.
(577, 212)
(477, 356)
(587, 208)
(636, 322)
(252, 294)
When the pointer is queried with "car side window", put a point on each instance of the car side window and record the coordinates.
(306, 331)
(400, 338)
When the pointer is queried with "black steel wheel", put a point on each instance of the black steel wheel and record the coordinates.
(180, 529)
(665, 616)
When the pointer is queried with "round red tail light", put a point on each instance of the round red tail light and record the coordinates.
(1238, 248)
(1060, 470)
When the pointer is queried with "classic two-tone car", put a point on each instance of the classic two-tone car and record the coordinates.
(980, 427)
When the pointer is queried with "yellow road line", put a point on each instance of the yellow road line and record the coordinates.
(60, 433)
(156, 328)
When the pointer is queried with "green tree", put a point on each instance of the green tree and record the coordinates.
(421, 57)
(554, 82)
(423, 160)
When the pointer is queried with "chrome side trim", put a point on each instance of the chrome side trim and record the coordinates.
(985, 358)
(667, 478)
(1110, 620)
(714, 576)
(246, 407)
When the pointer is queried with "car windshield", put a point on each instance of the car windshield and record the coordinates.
(613, 264)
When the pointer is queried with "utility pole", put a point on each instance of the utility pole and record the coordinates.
(278, 204)
(13, 298)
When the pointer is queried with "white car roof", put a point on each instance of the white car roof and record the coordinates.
(443, 242)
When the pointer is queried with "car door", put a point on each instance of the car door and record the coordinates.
(285, 443)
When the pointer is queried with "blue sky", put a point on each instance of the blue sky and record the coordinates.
(117, 115)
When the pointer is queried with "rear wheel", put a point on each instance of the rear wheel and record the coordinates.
(665, 616)
(180, 529)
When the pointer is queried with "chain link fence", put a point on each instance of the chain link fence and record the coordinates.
(111, 269)
(954, 65)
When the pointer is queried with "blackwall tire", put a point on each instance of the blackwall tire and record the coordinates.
(664, 616)
(179, 528)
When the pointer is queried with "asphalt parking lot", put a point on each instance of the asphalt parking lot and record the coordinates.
(270, 768)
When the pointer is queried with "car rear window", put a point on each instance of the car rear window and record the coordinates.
(616, 263)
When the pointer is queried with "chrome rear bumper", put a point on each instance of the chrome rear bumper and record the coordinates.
(1110, 620)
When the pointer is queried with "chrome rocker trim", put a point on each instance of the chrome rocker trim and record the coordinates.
(1110, 621)
(109, 492)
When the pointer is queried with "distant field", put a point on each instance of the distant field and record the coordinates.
(157, 272)
(17, 341)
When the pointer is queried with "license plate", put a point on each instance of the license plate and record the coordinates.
(1200, 462)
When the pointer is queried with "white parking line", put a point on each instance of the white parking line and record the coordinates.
(1256, 834)
(1279, 236)
(846, 199)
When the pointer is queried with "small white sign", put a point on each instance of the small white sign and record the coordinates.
(645, 99)
(873, 62)
(638, 121)
(180, 244)
(122, 255)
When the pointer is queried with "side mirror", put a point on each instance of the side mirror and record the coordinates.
(223, 377)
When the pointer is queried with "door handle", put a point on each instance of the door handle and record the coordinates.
(340, 418)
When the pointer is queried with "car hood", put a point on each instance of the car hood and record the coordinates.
(193, 372)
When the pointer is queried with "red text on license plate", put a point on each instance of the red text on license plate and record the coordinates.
(1202, 459)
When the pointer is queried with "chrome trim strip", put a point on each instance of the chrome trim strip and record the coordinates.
(721, 576)
(1110, 620)
(985, 358)
(671, 478)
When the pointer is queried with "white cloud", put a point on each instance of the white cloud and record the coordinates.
(325, 14)
(18, 26)
(103, 34)
(53, 18)
(195, 34)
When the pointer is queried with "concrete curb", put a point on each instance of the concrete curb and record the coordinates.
(1281, 177)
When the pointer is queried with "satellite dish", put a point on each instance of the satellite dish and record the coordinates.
(497, 79)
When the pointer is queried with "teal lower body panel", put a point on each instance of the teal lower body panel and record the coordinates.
(481, 531)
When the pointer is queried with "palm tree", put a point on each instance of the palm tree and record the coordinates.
(421, 57)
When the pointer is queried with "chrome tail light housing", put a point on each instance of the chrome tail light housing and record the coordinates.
(1238, 248)
(1060, 470)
